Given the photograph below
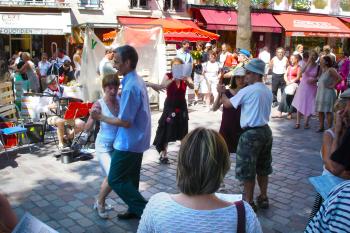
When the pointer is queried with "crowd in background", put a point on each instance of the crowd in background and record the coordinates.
(34, 72)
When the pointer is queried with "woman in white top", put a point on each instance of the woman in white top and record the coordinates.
(211, 72)
(203, 162)
(109, 106)
(278, 64)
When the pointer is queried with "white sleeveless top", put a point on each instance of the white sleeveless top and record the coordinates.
(279, 66)
(106, 135)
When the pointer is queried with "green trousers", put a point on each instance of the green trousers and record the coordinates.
(124, 178)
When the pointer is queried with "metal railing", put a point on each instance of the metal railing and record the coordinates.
(35, 3)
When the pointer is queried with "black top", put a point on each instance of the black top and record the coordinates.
(342, 154)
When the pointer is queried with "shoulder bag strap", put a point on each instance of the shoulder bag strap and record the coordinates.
(241, 216)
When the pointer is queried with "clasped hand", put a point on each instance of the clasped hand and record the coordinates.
(95, 113)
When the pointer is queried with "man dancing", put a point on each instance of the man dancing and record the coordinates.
(134, 133)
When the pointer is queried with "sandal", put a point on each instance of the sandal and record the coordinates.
(307, 126)
(263, 203)
(101, 211)
(297, 126)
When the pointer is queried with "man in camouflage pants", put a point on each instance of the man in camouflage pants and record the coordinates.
(255, 143)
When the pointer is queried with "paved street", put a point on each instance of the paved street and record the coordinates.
(62, 195)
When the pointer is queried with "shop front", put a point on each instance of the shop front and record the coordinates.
(313, 31)
(266, 30)
(33, 32)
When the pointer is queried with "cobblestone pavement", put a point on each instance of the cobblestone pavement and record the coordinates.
(62, 195)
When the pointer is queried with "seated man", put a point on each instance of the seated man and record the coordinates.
(55, 90)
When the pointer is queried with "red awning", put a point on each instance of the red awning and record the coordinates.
(227, 20)
(174, 30)
(345, 19)
(312, 26)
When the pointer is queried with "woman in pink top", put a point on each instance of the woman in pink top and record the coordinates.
(304, 99)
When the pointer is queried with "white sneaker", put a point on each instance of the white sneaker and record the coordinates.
(101, 211)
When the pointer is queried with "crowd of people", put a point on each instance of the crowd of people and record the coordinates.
(310, 82)
(33, 73)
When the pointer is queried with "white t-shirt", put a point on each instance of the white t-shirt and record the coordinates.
(255, 101)
(279, 66)
(43, 67)
(163, 214)
(265, 56)
(211, 70)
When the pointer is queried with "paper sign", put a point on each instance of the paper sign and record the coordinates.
(325, 183)
(30, 224)
(181, 70)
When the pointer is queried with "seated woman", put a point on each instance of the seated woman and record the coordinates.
(109, 106)
(56, 91)
(203, 162)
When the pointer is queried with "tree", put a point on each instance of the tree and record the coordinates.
(244, 31)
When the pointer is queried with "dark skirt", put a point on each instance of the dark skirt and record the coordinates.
(286, 104)
(173, 124)
(230, 128)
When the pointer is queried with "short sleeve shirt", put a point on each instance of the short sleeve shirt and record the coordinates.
(255, 101)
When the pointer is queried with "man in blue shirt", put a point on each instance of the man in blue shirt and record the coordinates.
(183, 53)
(134, 133)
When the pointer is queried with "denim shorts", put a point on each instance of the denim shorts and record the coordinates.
(254, 153)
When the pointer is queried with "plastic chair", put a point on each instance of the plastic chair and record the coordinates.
(15, 130)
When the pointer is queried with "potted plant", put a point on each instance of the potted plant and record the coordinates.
(301, 5)
(320, 4)
(345, 5)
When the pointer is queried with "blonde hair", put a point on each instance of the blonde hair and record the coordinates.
(176, 60)
(203, 162)
(25, 54)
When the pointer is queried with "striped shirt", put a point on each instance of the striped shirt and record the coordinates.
(334, 214)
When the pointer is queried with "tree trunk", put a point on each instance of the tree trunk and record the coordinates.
(244, 31)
